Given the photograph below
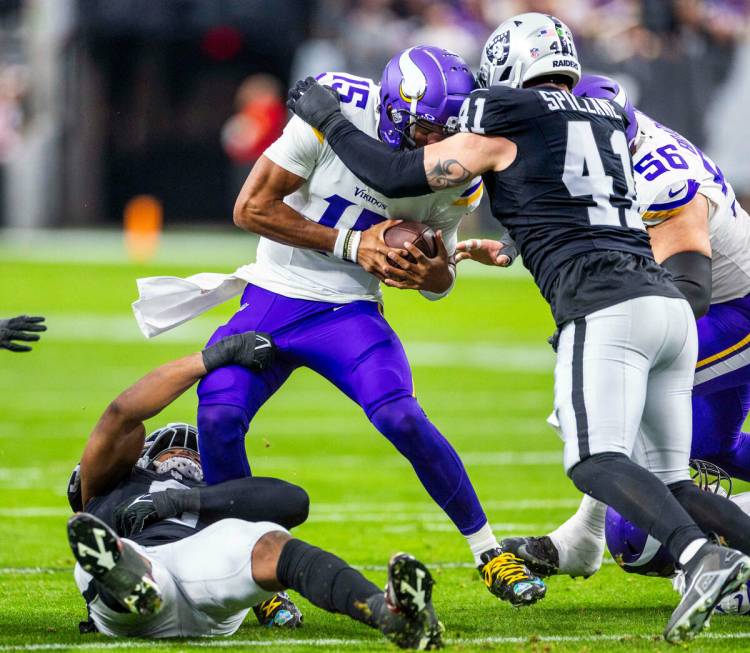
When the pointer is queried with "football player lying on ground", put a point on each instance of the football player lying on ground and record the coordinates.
(559, 173)
(24, 328)
(161, 555)
(315, 287)
(701, 234)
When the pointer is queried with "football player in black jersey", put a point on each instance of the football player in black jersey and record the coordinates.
(162, 555)
(560, 179)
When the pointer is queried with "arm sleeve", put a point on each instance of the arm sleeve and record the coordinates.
(393, 173)
(250, 499)
(691, 273)
(297, 149)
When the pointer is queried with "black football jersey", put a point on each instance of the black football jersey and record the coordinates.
(142, 481)
(569, 193)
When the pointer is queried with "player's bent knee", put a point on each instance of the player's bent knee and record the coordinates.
(265, 557)
(582, 472)
(222, 422)
(293, 505)
(402, 421)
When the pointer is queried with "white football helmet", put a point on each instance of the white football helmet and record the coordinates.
(528, 46)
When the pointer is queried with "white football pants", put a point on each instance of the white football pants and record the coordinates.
(623, 383)
(206, 582)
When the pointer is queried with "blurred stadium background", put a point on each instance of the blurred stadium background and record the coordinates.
(105, 100)
(152, 112)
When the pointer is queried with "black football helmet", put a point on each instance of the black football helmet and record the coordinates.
(75, 499)
(176, 435)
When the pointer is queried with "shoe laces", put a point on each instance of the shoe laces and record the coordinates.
(508, 567)
(269, 606)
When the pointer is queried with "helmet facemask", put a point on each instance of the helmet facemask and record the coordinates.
(182, 441)
(405, 123)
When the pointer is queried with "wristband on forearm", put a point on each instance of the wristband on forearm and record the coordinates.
(347, 244)
(172, 502)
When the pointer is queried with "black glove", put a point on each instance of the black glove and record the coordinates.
(134, 515)
(22, 328)
(250, 349)
(317, 105)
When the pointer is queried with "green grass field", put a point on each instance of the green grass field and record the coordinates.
(482, 371)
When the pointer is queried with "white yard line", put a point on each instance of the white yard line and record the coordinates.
(328, 642)
(55, 476)
(122, 328)
(210, 251)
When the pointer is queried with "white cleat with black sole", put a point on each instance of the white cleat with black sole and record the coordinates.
(713, 573)
(118, 568)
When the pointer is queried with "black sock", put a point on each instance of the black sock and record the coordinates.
(639, 496)
(715, 513)
(325, 580)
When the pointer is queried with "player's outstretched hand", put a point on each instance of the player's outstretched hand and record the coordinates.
(484, 251)
(423, 273)
(372, 249)
(251, 349)
(314, 103)
(24, 328)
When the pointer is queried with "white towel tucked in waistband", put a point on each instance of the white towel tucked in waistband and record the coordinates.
(166, 302)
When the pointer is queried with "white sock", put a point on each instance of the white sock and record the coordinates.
(580, 540)
(481, 541)
(690, 550)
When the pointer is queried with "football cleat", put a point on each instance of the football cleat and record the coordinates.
(508, 578)
(539, 554)
(714, 573)
(115, 565)
(279, 611)
(404, 612)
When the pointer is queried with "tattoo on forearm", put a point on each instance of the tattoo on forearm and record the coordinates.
(448, 173)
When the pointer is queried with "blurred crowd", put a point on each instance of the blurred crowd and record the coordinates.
(362, 34)
(216, 98)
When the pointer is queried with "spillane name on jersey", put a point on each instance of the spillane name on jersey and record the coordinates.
(669, 172)
(570, 190)
(334, 197)
(140, 482)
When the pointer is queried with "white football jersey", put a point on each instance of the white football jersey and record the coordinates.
(669, 172)
(334, 197)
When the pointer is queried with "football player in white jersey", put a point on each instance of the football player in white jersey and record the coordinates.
(701, 234)
(315, 287)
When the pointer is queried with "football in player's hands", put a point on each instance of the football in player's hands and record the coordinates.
(417, 233)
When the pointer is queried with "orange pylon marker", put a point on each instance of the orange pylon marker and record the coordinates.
(142, 226)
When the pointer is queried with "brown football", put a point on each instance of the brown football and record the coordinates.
(419, 234)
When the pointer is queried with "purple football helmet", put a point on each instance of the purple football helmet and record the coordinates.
(635, 550)
(606, 88)
(423, 84)
(639, 553)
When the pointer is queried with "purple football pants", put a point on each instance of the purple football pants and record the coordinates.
(353, 347)
(721, 394)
